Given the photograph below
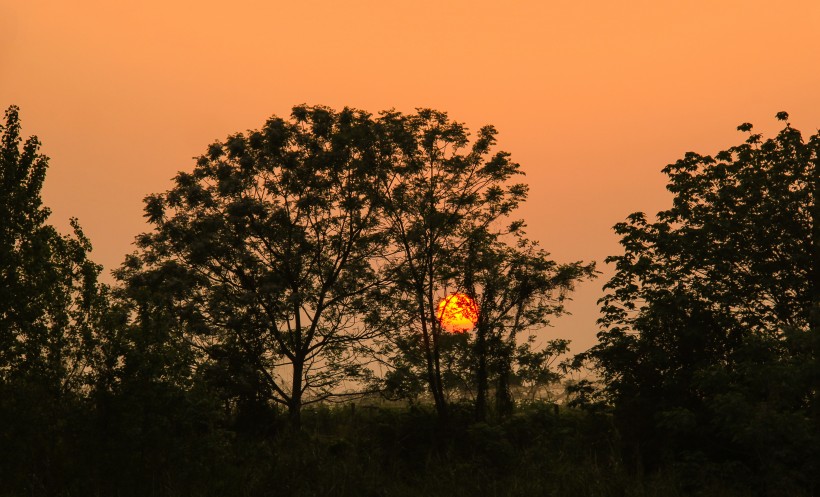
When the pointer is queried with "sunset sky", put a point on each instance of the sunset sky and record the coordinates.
(593, 98)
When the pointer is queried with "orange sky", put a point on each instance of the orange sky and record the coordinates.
(592, 97)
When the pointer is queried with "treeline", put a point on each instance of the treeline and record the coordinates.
(277, 330)
(711, 324)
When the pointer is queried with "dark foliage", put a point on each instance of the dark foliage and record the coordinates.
(49, 303)
(709, 352)
(291, 252)
(265, 257)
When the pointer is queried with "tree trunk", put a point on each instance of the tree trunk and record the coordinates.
(433, 380)
(295, 404)
(441, 405)
(437, 385)
(481, 372)
(503, 397)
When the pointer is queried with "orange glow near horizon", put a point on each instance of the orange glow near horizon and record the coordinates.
(457, 313)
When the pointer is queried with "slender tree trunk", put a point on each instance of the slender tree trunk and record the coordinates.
(295, 404)
(503, 396)
(481, 372)
(432, 383)
(482, 329)
(442, 402)
(437, 384)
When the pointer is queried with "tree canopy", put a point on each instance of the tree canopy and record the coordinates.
(710, 329)
(518, 289)
(48, 286)
(274, 233)
(49, 304)
(446, 205)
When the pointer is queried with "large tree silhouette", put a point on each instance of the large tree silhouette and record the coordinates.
(710, 322)
(47, 282)
(274, 232)
(440, 189)
(517, 288)
(49, 301)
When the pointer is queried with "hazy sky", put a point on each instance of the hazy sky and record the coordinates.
(593, 97)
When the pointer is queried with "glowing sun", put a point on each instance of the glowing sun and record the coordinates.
(457, 313)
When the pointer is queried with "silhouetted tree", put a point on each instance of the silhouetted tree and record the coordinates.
(271, 238)
(49, 298)
(440, 188)
(517, 289)
(710, 322)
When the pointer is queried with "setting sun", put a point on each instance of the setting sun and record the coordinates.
(457, 313)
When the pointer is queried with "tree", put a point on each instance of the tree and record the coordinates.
(272, 236)
(47, 282)
(49, 299)
(440, 194)
(711, 315)
(438, 188)
(517, 288)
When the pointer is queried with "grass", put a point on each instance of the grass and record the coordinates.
(386, 451)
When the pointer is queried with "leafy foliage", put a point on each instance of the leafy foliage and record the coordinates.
(47, 282)
(292, 255)
(443, 198)
(271, 239)
(49, 304)
(709, 343)
(518, 288)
